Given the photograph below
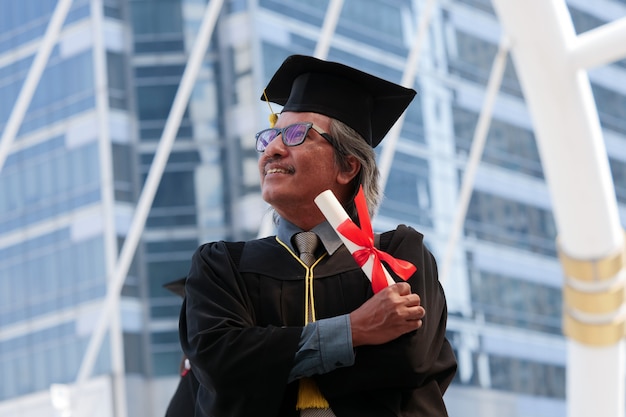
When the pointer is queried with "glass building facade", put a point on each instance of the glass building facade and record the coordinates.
(53, 243)
(75, 171)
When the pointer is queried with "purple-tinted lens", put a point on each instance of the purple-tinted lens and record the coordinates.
(264, 138)
(295, 134)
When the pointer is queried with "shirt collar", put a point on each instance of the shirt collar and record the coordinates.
(329, 238)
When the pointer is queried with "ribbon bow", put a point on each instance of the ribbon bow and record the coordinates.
(364, 237)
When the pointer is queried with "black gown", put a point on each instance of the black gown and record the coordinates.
(244, 313)
(183, 402)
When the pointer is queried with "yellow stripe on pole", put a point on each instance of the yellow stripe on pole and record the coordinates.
(602, 302)
(593, 269)
(594, 334)
(594, 296)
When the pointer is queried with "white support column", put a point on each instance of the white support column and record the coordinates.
(149, 190)
(20, 107)
(573, 155)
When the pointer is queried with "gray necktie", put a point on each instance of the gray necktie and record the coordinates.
(307, 242)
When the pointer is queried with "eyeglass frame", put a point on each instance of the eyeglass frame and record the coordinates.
(281, 131)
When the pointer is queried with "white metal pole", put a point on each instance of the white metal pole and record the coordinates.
(476, 152)
(152, 181)
(35, 71)
(408, 80)
(574, 158)
(328, 28)
(108, 204)
(599, 46)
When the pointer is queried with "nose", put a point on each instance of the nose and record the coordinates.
(276, 146)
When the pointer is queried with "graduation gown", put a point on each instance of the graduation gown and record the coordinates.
(183, 402)
(244, 313)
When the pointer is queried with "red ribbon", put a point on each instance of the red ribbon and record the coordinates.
(364, 237)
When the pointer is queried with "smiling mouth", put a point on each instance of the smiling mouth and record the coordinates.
(278, 171)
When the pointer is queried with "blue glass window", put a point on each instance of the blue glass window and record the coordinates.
(514, 302)
(407, 195)
(155, 101)
(156, 17)
(41, 358)
(46, 184)
(174, 203)
(512, 223)
(618, 170)
(116, 76)
(474, 60)
(611, 108)
(507, 146)
(527, 377)
(65, 89)
(54, 273)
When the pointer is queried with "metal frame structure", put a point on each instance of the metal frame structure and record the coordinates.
(476, 151)
(551, 62)
(148, 192)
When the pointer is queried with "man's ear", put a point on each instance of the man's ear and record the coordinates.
(354, 166)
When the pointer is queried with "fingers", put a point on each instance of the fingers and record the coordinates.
(415, 317)
(390, 313)
(413, 313)
(412, 300)
(402, 288)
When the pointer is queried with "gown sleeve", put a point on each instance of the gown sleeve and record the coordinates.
(421, 360)
(246, 365)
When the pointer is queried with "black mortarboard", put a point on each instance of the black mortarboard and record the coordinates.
(177, 287)
(368, 104)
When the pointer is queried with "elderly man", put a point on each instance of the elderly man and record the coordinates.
(289, 325)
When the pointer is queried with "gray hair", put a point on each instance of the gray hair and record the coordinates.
(347, 141)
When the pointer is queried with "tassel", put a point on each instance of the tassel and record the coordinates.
(309, 395)
(273, 117)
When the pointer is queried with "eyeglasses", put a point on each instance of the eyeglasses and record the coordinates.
(292, 135)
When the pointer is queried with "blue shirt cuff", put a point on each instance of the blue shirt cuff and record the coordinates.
(325, 345)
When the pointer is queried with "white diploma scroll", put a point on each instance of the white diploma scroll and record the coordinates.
(336, 215)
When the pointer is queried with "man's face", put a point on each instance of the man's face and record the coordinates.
(292, 176)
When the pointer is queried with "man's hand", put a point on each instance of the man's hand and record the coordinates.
(389, 314)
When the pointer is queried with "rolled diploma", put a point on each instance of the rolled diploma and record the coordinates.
(335, 214)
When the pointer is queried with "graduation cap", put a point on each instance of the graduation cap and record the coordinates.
(368, 104)
(177, 286)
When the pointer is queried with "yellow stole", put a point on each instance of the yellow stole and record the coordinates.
(309, 395)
